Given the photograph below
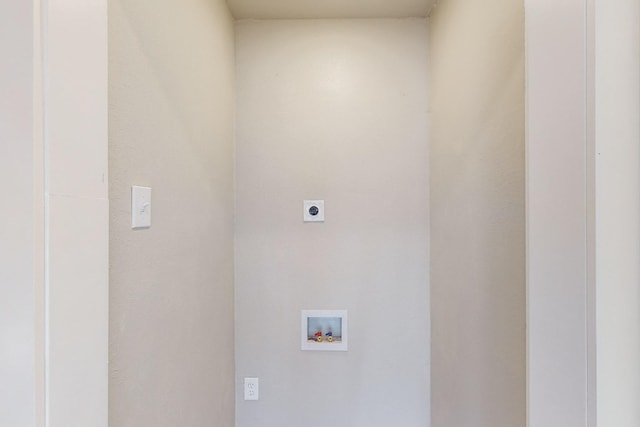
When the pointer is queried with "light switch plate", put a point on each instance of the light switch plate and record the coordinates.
(313, 210)
(140, 207)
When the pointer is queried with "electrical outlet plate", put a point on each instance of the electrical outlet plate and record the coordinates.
(251, 389)
(313, 210)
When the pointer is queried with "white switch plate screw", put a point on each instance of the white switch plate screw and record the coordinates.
(251, 389)
(313, 210)
(140, 207)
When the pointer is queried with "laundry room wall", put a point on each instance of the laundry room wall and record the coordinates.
(478, 298)
(333, 110)
(171, 121)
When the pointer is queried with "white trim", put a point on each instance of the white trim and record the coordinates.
(560, 308)
(73, 102)
(590, 190)
(40, 209)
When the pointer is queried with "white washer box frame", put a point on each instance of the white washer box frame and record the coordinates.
(307, 344)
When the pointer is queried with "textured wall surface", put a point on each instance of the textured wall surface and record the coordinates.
(478, 214)
(333, 110)
(171, 128)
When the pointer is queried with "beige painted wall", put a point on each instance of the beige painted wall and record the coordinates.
(477, 214)
(333, 110)
(171, 109)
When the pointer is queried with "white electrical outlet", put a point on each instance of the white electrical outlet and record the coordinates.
(251, 389)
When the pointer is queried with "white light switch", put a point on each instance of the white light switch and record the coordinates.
(140, 207)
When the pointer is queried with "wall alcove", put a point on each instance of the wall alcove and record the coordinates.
(409, 122)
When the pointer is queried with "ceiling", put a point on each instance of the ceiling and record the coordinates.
(301, 9)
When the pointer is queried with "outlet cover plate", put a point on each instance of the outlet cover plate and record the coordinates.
(251, 389)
